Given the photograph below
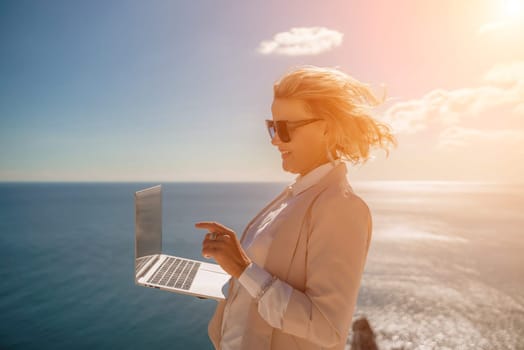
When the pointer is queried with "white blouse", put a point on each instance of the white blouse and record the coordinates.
(272, 305)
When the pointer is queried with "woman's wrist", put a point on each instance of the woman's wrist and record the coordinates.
(241, 267)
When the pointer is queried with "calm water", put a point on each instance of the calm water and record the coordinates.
(445, 269)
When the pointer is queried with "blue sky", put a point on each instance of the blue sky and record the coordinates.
(178, 91)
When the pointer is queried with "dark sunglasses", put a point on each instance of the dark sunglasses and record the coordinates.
(284, 127)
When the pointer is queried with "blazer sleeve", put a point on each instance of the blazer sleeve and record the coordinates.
(339, 238)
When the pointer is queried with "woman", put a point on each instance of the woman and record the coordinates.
(297, 267)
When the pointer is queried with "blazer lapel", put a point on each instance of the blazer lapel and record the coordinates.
(231, 295)
(282, 249)
(283, 193)
(281, 253)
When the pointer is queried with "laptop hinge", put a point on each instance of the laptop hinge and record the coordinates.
(147, 266)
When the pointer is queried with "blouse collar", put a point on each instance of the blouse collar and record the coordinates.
(302, 183)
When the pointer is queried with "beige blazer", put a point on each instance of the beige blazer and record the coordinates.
(320, 251)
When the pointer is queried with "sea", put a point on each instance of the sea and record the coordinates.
(445, 269)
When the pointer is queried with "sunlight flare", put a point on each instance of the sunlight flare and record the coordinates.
(510, 15)
(512, 9)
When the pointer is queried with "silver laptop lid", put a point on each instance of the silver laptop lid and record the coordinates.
(148, 225)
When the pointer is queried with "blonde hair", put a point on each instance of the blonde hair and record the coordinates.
(345, 104)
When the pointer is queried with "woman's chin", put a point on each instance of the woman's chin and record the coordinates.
(287, 167)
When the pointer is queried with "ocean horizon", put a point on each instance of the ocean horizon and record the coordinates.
(444, 270)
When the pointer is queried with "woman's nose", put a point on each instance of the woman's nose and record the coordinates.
(275, 141)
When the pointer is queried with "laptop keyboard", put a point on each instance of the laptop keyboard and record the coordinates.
(175, 272)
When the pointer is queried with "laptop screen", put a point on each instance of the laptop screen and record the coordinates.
(148, 225)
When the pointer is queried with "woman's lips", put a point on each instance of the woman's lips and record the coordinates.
(285, 154)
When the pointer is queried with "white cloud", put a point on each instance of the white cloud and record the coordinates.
(506, 75)
(302, 41)
(509, 22)
(503, 90)
(519, 110)
(456, 136)
(493, 27)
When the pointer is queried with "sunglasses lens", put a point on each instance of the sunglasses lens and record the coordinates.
(278, 127)
(271, 130)
(282, 131)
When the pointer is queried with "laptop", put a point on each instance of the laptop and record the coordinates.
(172, 273)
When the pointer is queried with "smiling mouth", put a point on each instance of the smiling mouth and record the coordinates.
(285, 154)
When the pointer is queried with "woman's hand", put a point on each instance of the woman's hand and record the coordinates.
(222, 244)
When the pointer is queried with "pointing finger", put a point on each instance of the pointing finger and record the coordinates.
(212, 226)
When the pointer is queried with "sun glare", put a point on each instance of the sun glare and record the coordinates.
(512, 8)
(510, 16)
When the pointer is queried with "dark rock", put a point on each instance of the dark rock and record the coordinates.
(363, 336)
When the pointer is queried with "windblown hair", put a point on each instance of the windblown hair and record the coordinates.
(345, 104)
